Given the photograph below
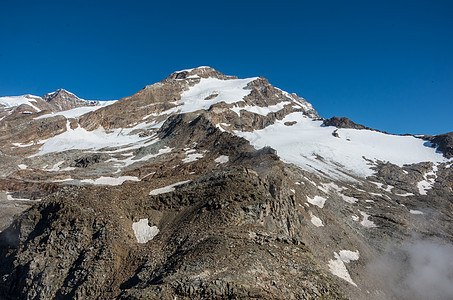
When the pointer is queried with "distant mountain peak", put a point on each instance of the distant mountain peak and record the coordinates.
(199, 72)
(62, 99)
(62, 93)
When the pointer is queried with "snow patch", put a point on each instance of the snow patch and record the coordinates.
(110, 180)
(348, 199)
(365, 222)
(82, 139)
(405, 195)
(415, 212)
(428, 182)
(263, 111)
(167, 189)
(315, 220)
(317, 200)
(222, 159)
(192, 157)
(78, 111)
(228, 91)
(143, 232)
(337, 266)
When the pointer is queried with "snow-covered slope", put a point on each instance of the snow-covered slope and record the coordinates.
(15, 101)
(316, 148)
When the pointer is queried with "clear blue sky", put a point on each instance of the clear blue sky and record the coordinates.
(385, 64)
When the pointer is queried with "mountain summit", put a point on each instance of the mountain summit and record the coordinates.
(61, 100)
(206, 185)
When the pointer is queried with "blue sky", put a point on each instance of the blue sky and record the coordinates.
(385, 64)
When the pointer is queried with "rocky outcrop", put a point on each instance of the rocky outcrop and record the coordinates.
(343, 122)
(444, 143)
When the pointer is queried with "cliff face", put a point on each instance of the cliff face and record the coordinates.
(208, 186)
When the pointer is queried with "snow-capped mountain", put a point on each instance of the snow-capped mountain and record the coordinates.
(250, 193)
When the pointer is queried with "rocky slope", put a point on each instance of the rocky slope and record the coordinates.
(208, 186)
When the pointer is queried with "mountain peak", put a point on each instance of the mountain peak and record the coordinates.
(199, 72)
(59, 93)
(62, 99)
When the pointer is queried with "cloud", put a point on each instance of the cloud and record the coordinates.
(420, 269)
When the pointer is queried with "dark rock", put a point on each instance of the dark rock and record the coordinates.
(444, 143)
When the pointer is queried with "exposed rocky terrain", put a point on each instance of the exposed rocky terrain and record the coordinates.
(204, 185)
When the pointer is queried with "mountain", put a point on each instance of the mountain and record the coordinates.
(205, 185)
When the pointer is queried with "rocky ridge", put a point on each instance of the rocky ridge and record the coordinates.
(235, 219)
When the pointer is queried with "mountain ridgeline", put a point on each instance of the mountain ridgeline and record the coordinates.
(207, 186)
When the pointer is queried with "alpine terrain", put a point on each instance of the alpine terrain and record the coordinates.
(206, 186)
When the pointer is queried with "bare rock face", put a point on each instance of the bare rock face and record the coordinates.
(63, 100)
(444, 143)
(233, 220)
(343, 122)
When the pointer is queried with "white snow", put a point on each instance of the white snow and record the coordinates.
(423, 186)
(329, 187)
(79, 111)
(131, 160)
(313, 147)
(10, 102)
(315, 220)
(221, 125)
(348, 199)
(415, 212)
(365, 222)
(228, 91)
(110, 180)
(167, 189)
(405, 194)
(381, 186)
(222, 159)
(192, 157)
(337, 266)
(22, 145)
(55, 168)
(264, 111)
(317, 200)
(428, 181)
(22, 166)
(143, 232)
(80, 138)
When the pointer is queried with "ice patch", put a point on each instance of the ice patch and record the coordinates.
(143, 232)
(415, 212)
